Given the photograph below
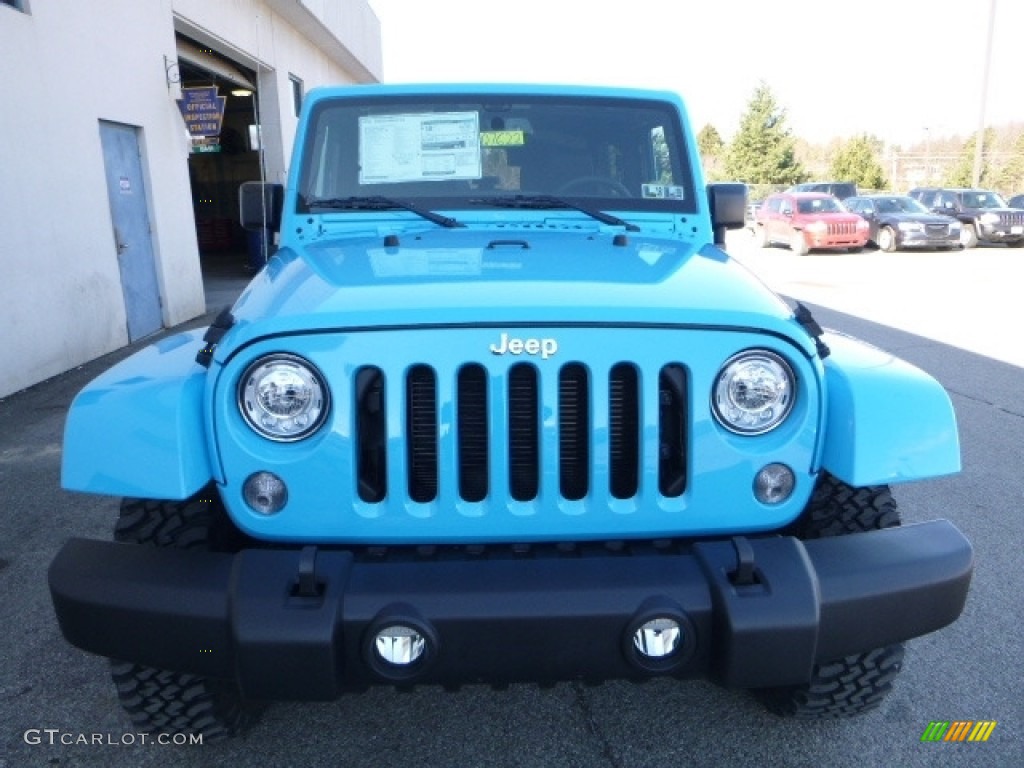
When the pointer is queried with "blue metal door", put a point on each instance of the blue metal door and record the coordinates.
(129, 212)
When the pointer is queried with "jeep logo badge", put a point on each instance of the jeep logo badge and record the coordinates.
(515, 346)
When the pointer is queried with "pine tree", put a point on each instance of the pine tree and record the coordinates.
(961, 173)
(762, 151)
(710, 146)
(1011, 176)
(857, 161)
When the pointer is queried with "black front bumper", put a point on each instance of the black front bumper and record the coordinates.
(299, 624)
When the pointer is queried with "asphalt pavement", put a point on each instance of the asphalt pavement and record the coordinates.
(58, 707)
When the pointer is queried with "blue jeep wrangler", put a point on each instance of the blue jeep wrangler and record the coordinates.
(501, 409)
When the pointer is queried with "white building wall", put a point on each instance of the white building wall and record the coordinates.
(65, 67)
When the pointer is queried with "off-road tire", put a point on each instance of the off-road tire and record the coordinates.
(199, 522)
(849, 686)
(858, 683)
(159, 700)
(836, 509)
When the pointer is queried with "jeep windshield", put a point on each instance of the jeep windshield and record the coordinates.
(503, 151)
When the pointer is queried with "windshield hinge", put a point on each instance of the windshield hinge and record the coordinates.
(806, 319)
(213, 334)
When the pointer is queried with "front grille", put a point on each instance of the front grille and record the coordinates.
(936, 230)
(1011, 219)
(503, 421)
(841, 228)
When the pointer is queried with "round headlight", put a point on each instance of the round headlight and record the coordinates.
(754, 392)
(283, 397)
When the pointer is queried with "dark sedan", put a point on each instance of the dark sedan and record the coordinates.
(898, 221)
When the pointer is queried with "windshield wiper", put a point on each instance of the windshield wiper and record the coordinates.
(550, 201)
(377, 203)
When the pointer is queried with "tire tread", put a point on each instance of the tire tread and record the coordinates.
(164, 701)
(860, 682)
(849, 686)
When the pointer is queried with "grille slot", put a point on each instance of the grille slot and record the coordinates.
(370, 435)
(421, 423)
(472, 433)
(523, 432)
(573, 431)
(624, 431)
(672, 430)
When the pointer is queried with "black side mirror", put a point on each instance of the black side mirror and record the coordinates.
(260, 205)
(727, 202)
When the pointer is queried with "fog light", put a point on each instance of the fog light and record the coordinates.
(399, 645)
(265, 493)
(658, 638)
(774, 484)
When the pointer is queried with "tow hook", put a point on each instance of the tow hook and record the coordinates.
(745, 573)
(306, 584)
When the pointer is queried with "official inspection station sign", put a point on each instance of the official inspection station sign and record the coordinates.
(202, 110)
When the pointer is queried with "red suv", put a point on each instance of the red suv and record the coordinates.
(808, 220)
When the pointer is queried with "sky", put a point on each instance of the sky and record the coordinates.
(905, 71)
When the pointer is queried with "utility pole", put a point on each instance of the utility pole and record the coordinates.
(927, 155)
(979, 140)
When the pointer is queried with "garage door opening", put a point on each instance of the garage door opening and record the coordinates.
(219, 164)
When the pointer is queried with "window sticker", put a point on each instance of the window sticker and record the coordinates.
(662, 191)
(434, 146)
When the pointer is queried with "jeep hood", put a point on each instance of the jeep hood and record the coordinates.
(494, 277)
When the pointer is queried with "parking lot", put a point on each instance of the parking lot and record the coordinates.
(970, 299)
(957, 315)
